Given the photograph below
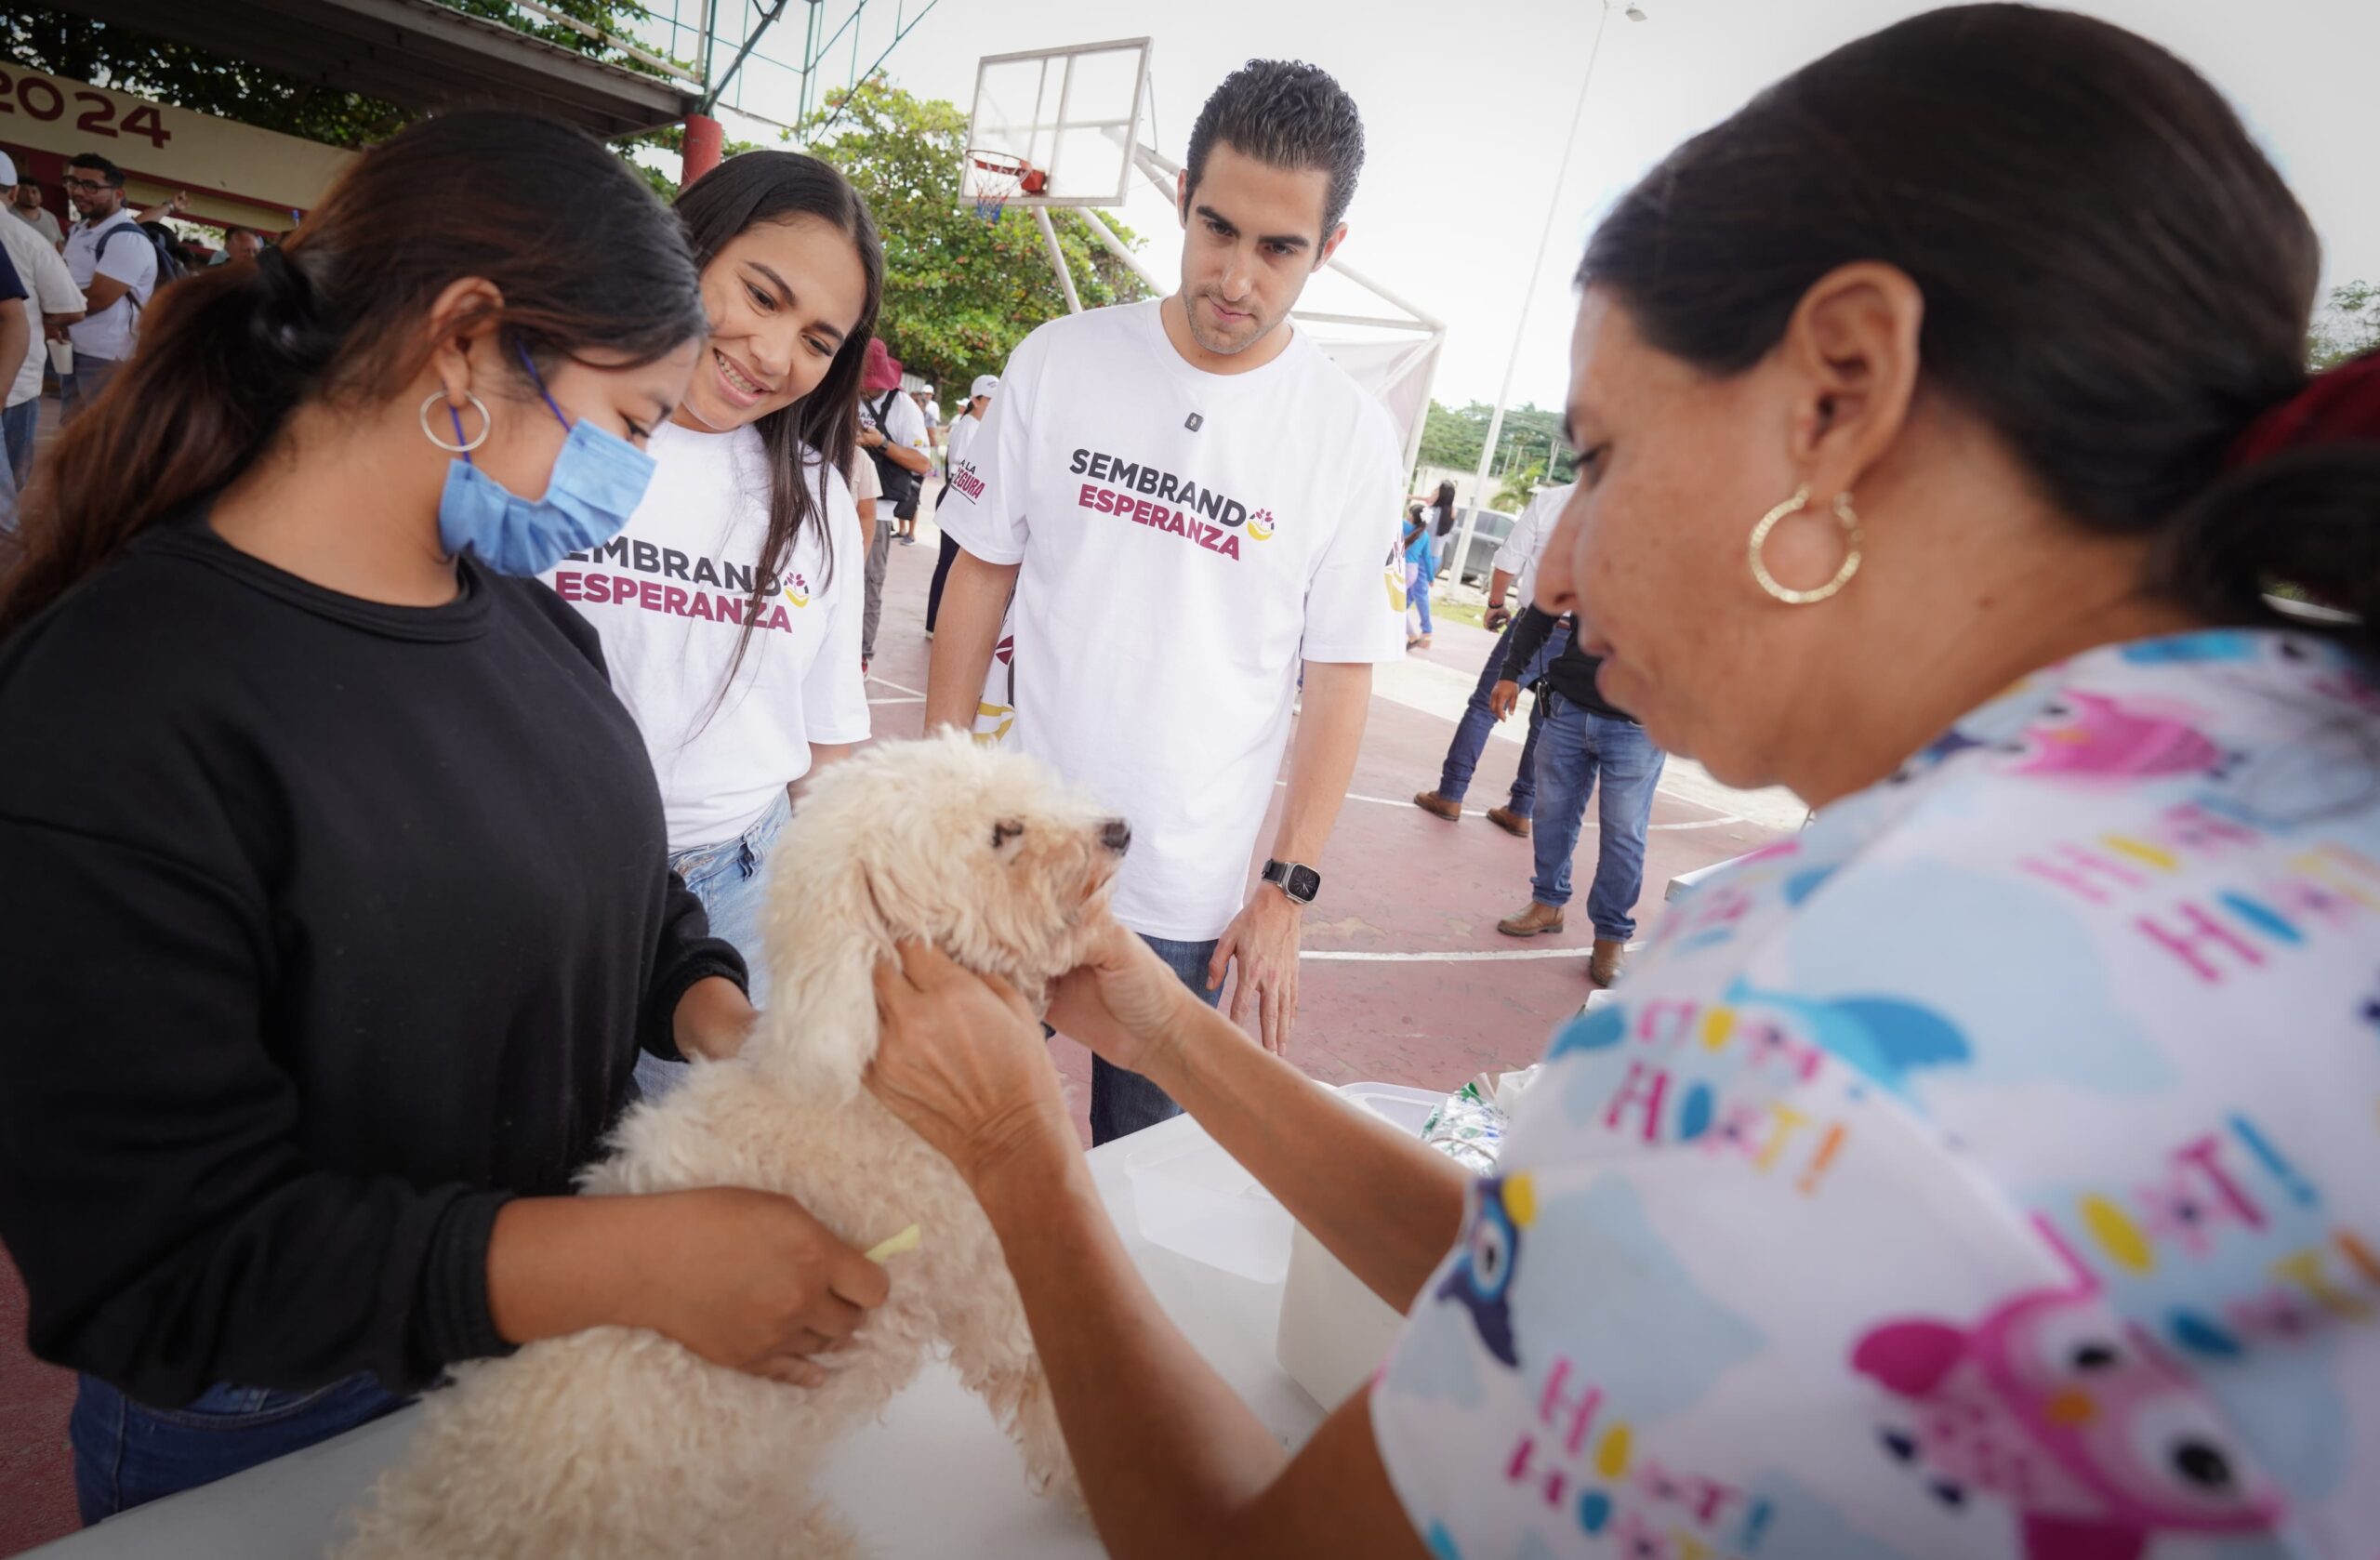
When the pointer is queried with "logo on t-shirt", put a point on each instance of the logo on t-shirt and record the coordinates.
(1166, 501)
(797, 590)
(1259, 526)
(963, 478)
(1195, 422)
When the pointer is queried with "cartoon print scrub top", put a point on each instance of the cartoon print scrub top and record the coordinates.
(1993, 1170)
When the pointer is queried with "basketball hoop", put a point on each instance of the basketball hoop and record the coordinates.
(998, 176)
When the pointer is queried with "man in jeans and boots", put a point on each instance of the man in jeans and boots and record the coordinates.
(1583, 739)
(1515, 558)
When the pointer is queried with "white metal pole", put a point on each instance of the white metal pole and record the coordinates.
(1057, 258)
(1520, 328)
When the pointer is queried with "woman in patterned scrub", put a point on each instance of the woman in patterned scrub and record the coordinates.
(1992, 1169)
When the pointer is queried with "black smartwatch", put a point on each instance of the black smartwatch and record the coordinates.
(1301, 884)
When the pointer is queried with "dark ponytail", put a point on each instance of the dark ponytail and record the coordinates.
(585, 257)
(2116, 280)
(742, 193)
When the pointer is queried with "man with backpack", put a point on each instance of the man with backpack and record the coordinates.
(893, 432)
(117, 265)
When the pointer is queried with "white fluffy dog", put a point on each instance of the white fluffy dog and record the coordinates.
(617, 1442)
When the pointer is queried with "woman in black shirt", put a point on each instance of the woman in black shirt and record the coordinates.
(333, 901)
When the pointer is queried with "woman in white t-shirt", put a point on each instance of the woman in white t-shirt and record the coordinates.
(730, 607)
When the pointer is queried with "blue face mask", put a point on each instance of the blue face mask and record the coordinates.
(598, 481)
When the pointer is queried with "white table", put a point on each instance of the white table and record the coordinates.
(936, 1478)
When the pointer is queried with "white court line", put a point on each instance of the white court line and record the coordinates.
(1345, 956)
(912, 698)
(913, 693)
(1721, 819)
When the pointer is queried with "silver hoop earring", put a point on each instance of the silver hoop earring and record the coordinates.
(487, 424)
(1851, 539)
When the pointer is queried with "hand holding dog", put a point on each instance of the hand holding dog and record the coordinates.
(960, 1058)
(1123, 1003)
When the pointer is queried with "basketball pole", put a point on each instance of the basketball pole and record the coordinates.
(1057, 258)
(1536, 269)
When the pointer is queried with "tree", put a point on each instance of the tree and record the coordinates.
(959, 293)
(1452, 439)
(1519, 488)
(201, 80)
(2349, 325)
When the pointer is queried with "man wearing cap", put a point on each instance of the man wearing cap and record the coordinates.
(52, 302)
(893, 432)
(962, 432)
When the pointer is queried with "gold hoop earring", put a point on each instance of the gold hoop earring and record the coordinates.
(487, 424)
(1851, 538)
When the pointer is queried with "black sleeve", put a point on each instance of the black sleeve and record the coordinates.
(1530, 632)
(686, 952)
(170, 1233)
(12, 286)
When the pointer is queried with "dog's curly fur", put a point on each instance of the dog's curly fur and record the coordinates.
(620, 1443)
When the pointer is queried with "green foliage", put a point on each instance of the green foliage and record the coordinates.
(958, 294)
(1452, 439)
(1519, 488)
(198, 79)
(2348, 326)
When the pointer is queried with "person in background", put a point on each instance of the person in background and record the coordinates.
(1586, 746)
(1190, 503)
(1420, 573)
(335, 904)
(52, 303)
(1514, 568)
(929, 409)
(115, 265)
(894, 432)
(239, 244)
(964, 429)
(747, 677)
(1988, 1170)
(26, 202)
(19, 344)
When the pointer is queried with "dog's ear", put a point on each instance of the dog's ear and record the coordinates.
(825, 933)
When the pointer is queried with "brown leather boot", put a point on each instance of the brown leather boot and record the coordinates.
(1512, 823)
(1607, 962)
(1533, 922)
(1437, 806)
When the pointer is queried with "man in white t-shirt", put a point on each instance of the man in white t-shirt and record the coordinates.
(115, 265)
(52, 302)
(964, 429)
(25, 199)
(1515, 563)
(893, 432)
(1190, 501)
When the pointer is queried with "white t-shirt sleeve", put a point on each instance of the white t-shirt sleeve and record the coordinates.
(1354, 604)
(907, 423)
(1519, 546)
(834, 694)
(984, 513)
(51, 284)
(866, 483)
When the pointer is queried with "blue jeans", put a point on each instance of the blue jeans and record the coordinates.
(1417, 597)
(1578, 748)
(732, 880)
(127, 1454)
(1471, 731)
(1123, 1102)
(18, 426)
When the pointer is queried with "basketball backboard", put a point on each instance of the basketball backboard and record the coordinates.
(1070, 116)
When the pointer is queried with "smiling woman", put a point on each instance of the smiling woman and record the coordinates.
(729, 622)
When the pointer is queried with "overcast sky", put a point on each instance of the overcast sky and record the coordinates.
(1465, 106)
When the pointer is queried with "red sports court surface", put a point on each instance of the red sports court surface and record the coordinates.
(1407, 980)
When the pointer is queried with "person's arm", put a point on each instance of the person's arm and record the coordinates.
(974, 599)
(172, 205)
(103, 292)
(1263, 937)
(15, 330)
(1174, 1464)
(1498, 582)
(1529, 632)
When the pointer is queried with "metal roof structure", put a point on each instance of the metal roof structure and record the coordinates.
(418, 54)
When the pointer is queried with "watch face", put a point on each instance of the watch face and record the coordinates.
(1303, 883)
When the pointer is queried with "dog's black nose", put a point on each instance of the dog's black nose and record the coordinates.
(1117, 835)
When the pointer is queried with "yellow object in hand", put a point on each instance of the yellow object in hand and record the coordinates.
(884, 1250)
